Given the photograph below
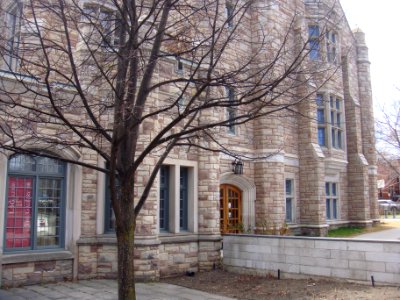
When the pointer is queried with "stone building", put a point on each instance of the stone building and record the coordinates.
(306, 172)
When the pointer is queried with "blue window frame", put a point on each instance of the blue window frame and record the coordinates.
(314, 42)
(183, 198)
(35, 213)
(164, 198)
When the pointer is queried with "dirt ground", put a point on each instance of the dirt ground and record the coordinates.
(254, 287)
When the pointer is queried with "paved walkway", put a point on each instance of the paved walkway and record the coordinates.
(384, 235)
(102, 290)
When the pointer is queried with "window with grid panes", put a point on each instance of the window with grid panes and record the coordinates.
(331, 46)
(231, 110)
(35, 205)
(314, 42)
(183, 198)
(321, 120)
(335, 106)
(164, 198)
(104, 22)
(289, 199)
(331, 193)
(12, 35)
(229, 10)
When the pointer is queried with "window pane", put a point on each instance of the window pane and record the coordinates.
(313, 31)
(321, 116)
(183, 198)
(327, 190)
(334, 189)
(339, 139)
(321, 136)
(328, 209)
(49, 165)
(19, 212)
(288, 184)
(164, 197)
(314, 49)
(22, 163)
(320, 100)
(333, 138)
(289, 209)
(334, 208)
(49, 212)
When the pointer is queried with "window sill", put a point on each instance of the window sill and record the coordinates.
(33, 256)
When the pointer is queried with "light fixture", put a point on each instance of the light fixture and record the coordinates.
(237, 167)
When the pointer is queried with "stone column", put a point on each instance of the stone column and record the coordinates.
(208, 200)
(311, 171)
(367, 119)
(357, 168)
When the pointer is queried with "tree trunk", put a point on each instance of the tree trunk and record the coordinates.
(126, 272)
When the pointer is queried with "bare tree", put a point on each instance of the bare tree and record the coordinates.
(94, 76)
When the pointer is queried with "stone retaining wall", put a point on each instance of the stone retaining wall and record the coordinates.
(339, 258)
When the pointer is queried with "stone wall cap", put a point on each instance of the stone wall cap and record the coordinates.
(13, 258)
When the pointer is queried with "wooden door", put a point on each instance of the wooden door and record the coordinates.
(230, 209)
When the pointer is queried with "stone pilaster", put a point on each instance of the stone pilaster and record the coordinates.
(357, 168)
(312, 171)
(367, 118)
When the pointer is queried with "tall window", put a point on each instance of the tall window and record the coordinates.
(321, 120)
(164, 198)
(314, 42)
(331, 192)
(183, 198)
(331, 46)
(289, 199)
(12, 35)
(35, 203)
(229, 9)
(106, 23)
(109, 220)
(335, 105)
(177, 199)
(231, 110)
(330, 121)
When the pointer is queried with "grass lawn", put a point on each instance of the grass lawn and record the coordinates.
(354, 230)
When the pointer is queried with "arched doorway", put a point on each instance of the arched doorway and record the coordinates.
(230, 209)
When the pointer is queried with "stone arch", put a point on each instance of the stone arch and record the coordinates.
(248, 189)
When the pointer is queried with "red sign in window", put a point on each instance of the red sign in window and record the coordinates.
(19, 212)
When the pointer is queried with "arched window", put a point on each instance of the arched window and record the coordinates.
(35, 214)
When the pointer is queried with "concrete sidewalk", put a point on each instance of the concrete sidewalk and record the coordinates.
(103, 289)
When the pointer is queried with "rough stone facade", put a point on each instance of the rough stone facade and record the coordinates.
(281, 147)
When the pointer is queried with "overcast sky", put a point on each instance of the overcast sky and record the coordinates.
(381, 23)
